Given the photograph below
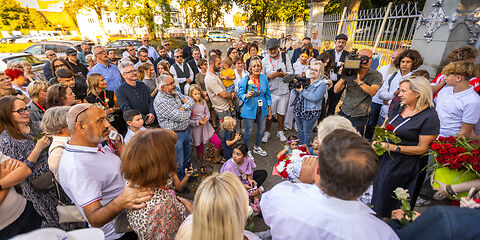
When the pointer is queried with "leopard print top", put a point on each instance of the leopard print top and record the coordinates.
(161, 218)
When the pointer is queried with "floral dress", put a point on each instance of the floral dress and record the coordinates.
(44, 203)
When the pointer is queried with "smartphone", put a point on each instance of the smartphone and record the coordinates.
(112, 135)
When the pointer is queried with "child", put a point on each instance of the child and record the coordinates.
(292, 143)
(314, 148)
(200, 129)
(135, 123)
(228, 124)
(227, 75)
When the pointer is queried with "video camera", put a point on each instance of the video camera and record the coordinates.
(352, 64)
(299, 83)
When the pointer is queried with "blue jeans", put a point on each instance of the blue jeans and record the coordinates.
(249, 128)
(305, 129)
(183, 152)
(372, 120)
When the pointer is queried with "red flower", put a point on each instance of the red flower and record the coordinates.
(462, 159)
(470, 158)
(452, 139)
(436, 146)
(476, 167)
(442, 151)
(452, 150)
(447, 145)
(283, 157)
(440, 158)
(389, 127)
(476, 152)
(442, 139)
(460, 149)
(455, 165)
(302, 148)
(475, 142)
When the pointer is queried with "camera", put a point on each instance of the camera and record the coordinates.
(352, 64)
(299, 83)
(279, 70)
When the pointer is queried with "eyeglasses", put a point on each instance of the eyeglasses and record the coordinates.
(101, 52)
(130, 72)
(60, 65)
(51, 55)
(97, 105)
(166, 44)
(178, 56)
(21, 111)
(130, 50)
(72, 54)
(146, 40)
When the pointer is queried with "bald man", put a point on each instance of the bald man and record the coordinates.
(377, 103)
(359, 91)
(47, 68)
(317, 44)
(152, 53)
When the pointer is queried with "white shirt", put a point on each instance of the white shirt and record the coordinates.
(130, 134)
(90, 174)
(338, 55)
(453, 109)
(239, 77)
(386, 91)
(174, 72)
(316, 43)
(140, 63)
(302, 211)
(277, 86)
(385, 70)
(299, 68)
(13, 205)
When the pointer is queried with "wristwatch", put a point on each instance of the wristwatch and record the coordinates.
(397, 149)
(360, 84)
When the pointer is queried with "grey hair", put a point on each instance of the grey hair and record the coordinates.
(97, 47)
(178, 50)
(89, 57)
(123, 65)
(162, 80)
(331, 123)
(73, 113)
(54, 120)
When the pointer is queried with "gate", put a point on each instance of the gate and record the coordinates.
(363, 26)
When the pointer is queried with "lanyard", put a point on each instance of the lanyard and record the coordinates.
(38, 105)
(399, 125)
(257, 86)
(273, 66)
(105, 98)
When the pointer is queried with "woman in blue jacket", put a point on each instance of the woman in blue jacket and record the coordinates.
(254, 91)
(309, 103)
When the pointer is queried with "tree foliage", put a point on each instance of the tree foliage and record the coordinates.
(336, 6)
(15, 17)
(207, 12)
(143, 12)
(73, 6)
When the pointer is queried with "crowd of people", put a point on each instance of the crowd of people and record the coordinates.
(103, 141)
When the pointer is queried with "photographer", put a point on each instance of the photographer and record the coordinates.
(276, 66)
(338, 54)
(308, 103)
(360, 88)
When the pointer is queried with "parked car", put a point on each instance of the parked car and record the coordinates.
(10, 39)
(252, 36)
(119, 46)
(218, 36)
(37, 64)
(59, 47)
(31, 39)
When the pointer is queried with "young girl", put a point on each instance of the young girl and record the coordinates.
(229, 140)
(200, 129)
(314, 147)
(292, 143)
(146, 74)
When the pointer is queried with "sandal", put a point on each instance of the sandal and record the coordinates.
(203, 169)
(221, 161)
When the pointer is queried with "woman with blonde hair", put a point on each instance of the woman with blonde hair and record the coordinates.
(38, 95)
(97, 93)
(415, 121)
(220, 211)
(148, 161)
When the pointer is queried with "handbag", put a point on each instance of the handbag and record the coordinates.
(44, 182)
(67, 213)
(121, 223)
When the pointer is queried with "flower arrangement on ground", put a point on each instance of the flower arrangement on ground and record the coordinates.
(387, 135)
(457, 160)
(288, 166)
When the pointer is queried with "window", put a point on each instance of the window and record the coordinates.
(35, 50)
(30, 59)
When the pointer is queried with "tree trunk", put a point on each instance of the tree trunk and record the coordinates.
(353, 5)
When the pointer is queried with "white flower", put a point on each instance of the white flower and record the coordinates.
(281, 166)
(402, 194)
(289, 169)
(249, 211)
(250, 82)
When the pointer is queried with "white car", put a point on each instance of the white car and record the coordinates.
(218, 36)
(30, 39)
(37, 64)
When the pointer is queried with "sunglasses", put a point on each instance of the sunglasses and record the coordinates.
(178, 56)
(97, 105)
(60, 65)
(21, 111)
(51, 55)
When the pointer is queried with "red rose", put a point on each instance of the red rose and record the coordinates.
(476, 167)
(436, 146)
(470, 158)
(462, 159)
(447, 145)
(389, 127)
(442, 151)
(476, 152)
(302, 148)
(460, 149)
(283, 157)
(440, 158)
(475, 142)
(455, 165)
(452, 150)
(452, 139)
(442, 139)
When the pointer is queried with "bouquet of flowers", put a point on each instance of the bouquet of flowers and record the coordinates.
(457, 160)
(288, 167)
(384, 135)
(403, 195)
(251, 86)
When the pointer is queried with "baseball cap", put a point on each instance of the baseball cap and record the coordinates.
(71, 51)
(341, 36)
(272, 43)
(55, 233)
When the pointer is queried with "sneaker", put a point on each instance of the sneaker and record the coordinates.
(420, 202)
(287, 128)
(265, 137)
(281, 136)
(249, 154)
(259, 151)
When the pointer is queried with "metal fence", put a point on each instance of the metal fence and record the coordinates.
(363, 26)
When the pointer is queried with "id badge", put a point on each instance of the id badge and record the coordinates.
(260, 102)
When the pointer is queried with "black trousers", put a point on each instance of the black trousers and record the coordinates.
(357, 122)
(259, 176)
(28, 221)
(333, 99)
